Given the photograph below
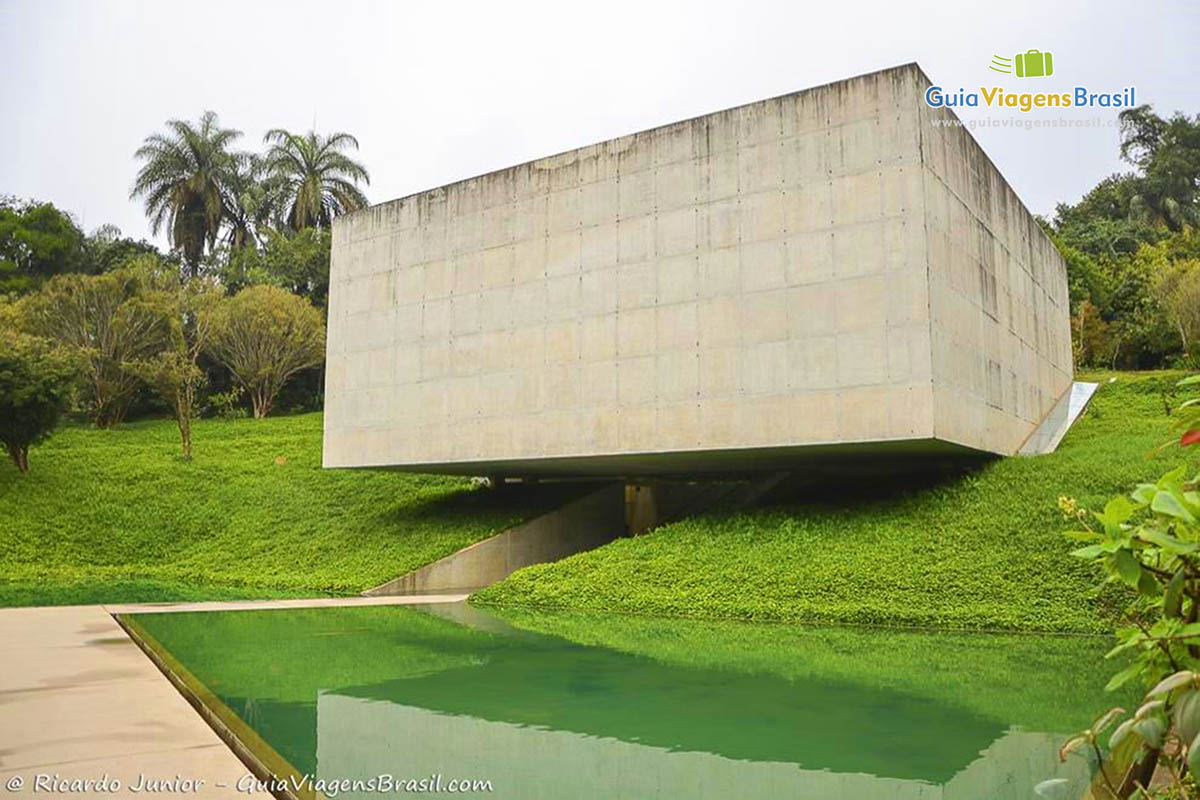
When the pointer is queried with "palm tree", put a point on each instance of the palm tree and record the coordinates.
(314, 179)
(249, 204)
(183, 181)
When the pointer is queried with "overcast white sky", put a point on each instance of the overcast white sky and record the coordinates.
(438, 91)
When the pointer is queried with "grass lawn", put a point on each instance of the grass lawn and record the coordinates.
(116, 516)
(981, 550)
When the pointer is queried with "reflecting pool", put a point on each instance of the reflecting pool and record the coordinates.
(547, 705)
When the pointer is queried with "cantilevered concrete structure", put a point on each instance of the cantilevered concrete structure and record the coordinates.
(831, 273)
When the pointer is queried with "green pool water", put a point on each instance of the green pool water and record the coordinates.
(565, 706)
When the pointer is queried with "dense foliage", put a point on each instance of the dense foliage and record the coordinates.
(37, 241)
(187, 309)
(264, 335)
(146, 326)
(37, 382)
(1132, 251)
(105, 320)
(255, 227)
(297, 262)
(200, 190)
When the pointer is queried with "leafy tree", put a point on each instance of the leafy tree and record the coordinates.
(1179, 290)
(1100, 224)
(37, 241)
(173, 372)
(105, 249)
(264, 335)
(1122, 238)
(1092, 339)
(1118, 317)
(102, 319)
(1167, 152)
(37, 382)
(184, 182)
(315, 180)
(249, 203)
(1145, 336)
(298, 262)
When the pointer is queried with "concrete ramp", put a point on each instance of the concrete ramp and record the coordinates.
(592, 520)
(1054, 427)
(615, 510)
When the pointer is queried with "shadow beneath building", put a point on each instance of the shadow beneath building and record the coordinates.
(522, 500)
(856, 485)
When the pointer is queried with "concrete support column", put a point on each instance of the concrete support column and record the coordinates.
(641, 508)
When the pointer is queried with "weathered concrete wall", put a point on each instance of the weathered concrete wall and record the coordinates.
(755, 278)
(1000, 323)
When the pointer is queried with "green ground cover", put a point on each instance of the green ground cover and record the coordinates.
(980, 550)
(116, 516)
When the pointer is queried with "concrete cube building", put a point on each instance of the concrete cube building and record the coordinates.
(838, 272)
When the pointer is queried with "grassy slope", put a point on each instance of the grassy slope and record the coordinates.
(981, 551)
(116, 516)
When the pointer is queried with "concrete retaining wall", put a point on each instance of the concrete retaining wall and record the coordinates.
(584, 524)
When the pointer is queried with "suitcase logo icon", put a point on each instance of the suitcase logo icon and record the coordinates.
(1030, 64)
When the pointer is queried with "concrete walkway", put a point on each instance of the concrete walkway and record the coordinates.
(80, 701)
(264, 605)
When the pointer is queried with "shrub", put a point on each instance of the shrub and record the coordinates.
(227, 405)
(265, 335)
(37, 381)
(102, 320)
(185, 308)
(1179, 288)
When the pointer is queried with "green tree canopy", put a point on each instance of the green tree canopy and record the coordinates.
(37, 382)
(1167, 154)
(106, 249)
(264, 335)
(184, 182)
(298, 262)
(1121, 240)
(103, 320)
(37, 241)
(314, 179)
(172, 371)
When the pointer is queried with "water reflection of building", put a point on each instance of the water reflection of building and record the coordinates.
(360, 737)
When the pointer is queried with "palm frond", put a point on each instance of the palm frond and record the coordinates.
(183, 180)
(312, 178)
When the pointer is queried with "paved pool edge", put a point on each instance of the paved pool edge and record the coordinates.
(80, 699)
